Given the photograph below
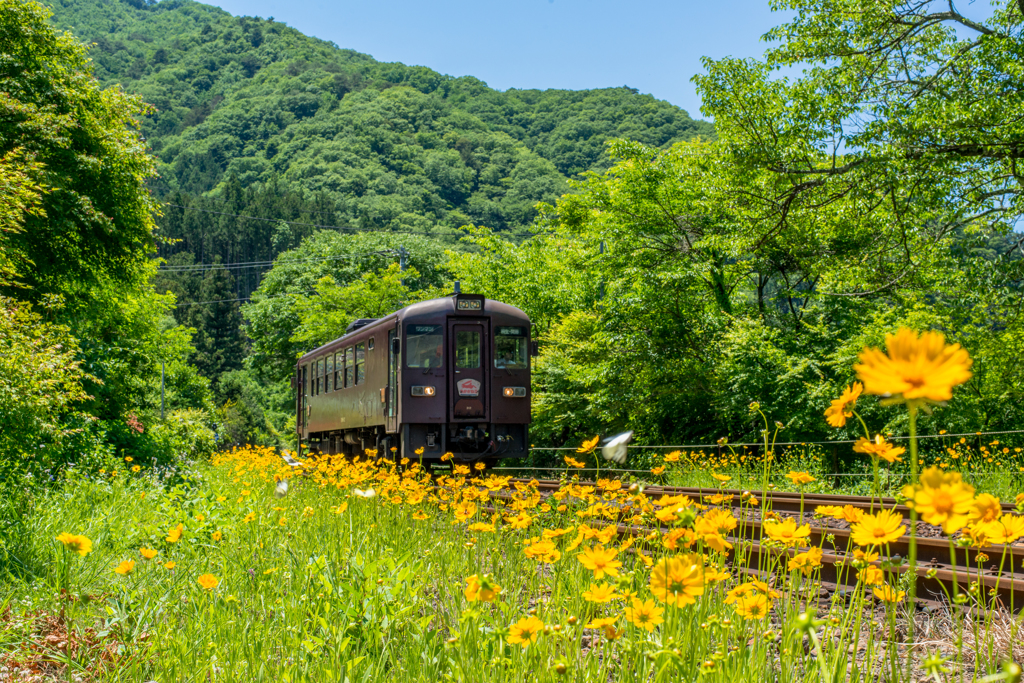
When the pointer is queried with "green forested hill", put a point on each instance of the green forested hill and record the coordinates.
(384, 145)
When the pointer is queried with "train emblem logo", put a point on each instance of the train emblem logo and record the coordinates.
(469, 387)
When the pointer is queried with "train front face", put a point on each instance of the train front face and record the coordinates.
(465, 379)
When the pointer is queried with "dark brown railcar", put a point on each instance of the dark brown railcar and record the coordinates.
(446, 375)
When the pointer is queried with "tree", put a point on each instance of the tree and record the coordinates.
(91, 231)
(220, 341)
(332, 307)
(906, 118)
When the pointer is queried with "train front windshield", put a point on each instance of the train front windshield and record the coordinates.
(510, 349)
(425, 346)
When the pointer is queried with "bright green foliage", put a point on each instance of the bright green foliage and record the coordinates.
(91, 244)
(41, 383)
(392, 146)
(76, 227)
(905, 124)
(20, 196)
(326, 313)
(274, 314)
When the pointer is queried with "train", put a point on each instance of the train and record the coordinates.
(448, 375)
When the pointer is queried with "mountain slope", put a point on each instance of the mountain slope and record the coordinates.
(392, 146)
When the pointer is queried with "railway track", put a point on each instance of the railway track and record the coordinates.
(981, 573)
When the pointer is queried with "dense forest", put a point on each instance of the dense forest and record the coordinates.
(200, 197)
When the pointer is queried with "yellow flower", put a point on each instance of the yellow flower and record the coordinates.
(308, 512)
(601, 623)
(851, 514)
(829, 511)
(871, 575)
(715, 522)
(573, 462)
(249, 517)
(754, 606)
(174, 535)
(658, 471)
(672, 457)
(887, 593)
(76, 543)
(942, 499)
(600, 561)
(543, 551)
(881, 528)
(600, 594)
(419, 515)
(842, 407)
(916, 367)
(807, 561)
(126, 567)
(136, 468)
(464, 511)
(879, 448)
(217, 535)
(862, 556)
(520, 521)
(678, 580)
(341, 508)
(787, 532)
(170, 565)
(712, 575)
(588, 446)
(985, 508)
(721, 477)
(645, 615)
(1008, 529)
(525, 631)
(208, 581)
(148, 553)
(128, 458)
(800, 478)
(482, 588)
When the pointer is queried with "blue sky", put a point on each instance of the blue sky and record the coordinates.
(654, 46)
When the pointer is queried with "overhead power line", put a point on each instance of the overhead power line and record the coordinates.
(257, 264)
(300, 223)
(446, 231)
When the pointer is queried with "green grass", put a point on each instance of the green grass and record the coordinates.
(324, 585)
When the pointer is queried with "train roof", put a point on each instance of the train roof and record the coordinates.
(430, 309)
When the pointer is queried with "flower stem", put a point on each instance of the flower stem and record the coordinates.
(912, 559)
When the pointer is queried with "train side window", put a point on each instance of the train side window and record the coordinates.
(350, 367)
(360, 363)
(319, 376)
(330, 373)
(369, 344)
(424, 346)
(510, 348)
(339, 365)
(467, 349)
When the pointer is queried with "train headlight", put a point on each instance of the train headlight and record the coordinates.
(514, 392)
(423, 391)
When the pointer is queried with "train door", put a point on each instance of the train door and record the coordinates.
(394, 358)
(468, 341)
